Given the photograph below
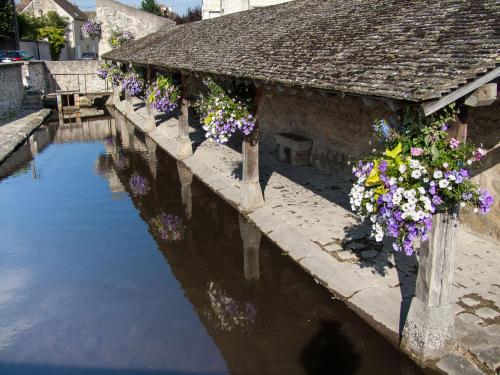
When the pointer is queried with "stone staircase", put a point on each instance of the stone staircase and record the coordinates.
(32, 99)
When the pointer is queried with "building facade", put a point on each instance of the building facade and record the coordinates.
(217, 8)
(76, 42)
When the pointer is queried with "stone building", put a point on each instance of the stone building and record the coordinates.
(217, 8)
(324, 72)
(115, 16)
(329, 78)
(76, 43)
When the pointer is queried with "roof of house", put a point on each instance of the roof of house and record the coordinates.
(411, 50)
(72, 10)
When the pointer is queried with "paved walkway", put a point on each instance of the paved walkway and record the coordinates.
(307, 215)
(15, 130)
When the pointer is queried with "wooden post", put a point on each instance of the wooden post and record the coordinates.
(60, 109)
(184, 148)
(250, 236)
(150, 123)
(429, 330)
(186, 178)
(116, 95)
(129, 107)
(252, 193)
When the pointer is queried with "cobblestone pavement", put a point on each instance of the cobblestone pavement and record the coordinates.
(15, 130)
(307, 215)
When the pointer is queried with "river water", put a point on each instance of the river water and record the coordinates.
(114, 260)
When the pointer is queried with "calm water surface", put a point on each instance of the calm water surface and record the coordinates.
(112, 262)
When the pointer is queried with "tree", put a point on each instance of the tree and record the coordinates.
(50, 25)
(56, 38)
(192, 15)
(6, 18)
(151, 6)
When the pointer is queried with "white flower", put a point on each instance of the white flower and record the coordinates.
(462, 204)
(416, 173)
(452, 177)
(402, 168)
(369, 207)
(392, 181)
(445, 165)
(469, 162)
(421, 190)
(396, 198)
(437, 174)
(414, 164)
(443, 183)
(476, 210)
(379, 237)
(400, 179)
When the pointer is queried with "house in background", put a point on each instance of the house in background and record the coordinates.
(216, 8)
(76, 43)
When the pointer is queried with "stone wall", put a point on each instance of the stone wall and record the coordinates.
(340, 127)
(484, 129)
(12, 88)
(117, 16)
(71, 75)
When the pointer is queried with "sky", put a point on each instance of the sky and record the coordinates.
(179, 6)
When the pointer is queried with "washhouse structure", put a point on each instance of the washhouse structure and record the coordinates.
(323, 72)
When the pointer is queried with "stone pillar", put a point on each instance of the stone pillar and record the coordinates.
(186, 178)
(151, 147)
(185, 148)
(429, 330)
(250, 236)
(252, 193)
(150, 123)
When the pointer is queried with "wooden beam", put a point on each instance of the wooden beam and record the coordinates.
(483, 96)
(433, 106)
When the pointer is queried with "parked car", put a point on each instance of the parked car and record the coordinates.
(18, 55)
(88, 56)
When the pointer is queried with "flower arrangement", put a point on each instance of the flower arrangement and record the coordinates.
(422, 171)
(169, 227)
(163, 94)
(222, 115)
(133, 83)
(139, 185)
(109, 72)
(91, 28)
(229, 314)
(118, 38)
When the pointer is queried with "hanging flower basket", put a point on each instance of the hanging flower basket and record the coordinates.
(422, 171)
(139, 185)
(163, 94)
(227, 313)
(222, 115)
(91, 28)
(111, 73)
(119, 38)
(169, 227)
(133, 83)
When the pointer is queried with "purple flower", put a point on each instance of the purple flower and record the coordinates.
(467, 196)
(382, 167)
(168, 226)
(139, 185)
(436, 199)
(485, 201)
(416, 151)
(454, 143)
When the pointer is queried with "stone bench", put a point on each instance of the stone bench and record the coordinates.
(293, 148)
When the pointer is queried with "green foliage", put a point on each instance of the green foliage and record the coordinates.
(151, 6)
(6, 18)
(56, 38)
(50, 25)
(28, 26)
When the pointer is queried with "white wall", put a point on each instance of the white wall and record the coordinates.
(213, 8)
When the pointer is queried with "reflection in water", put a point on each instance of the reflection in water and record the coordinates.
(170, 280)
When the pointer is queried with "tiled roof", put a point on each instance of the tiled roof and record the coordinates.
(412, 50)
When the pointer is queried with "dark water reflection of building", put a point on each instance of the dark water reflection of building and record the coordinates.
(266, 315)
